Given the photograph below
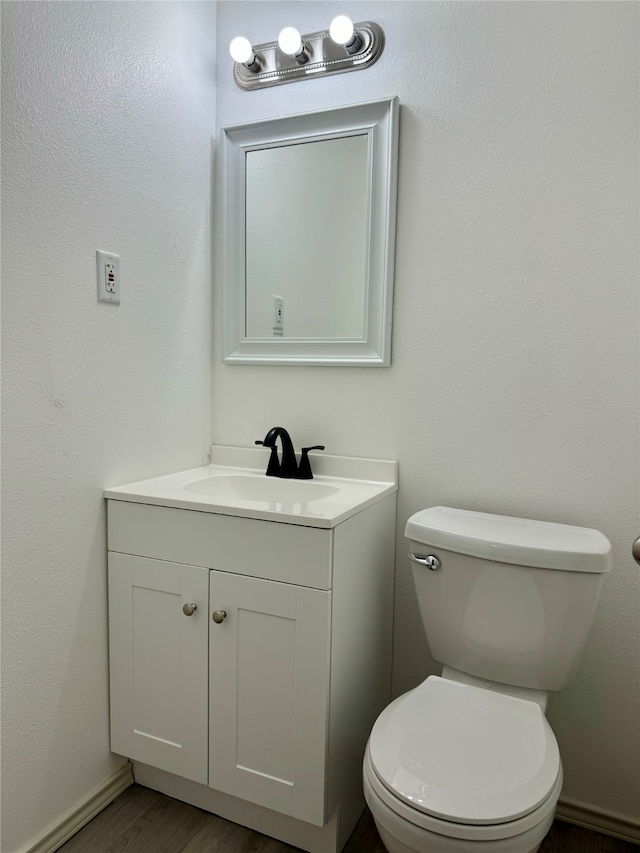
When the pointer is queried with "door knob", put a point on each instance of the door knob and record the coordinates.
(189, 609)
(218, 616)
(635, 550)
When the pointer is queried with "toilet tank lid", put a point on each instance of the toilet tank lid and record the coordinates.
(522, 541)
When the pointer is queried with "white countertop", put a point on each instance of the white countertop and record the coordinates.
(236, 477)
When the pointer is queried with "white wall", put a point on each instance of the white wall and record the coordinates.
(108, 113)
(514, 379)
(514, 383)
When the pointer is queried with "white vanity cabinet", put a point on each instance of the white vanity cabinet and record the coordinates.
(263, 715)
(159, 663)
(269, 667)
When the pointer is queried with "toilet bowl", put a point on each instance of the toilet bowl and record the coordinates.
(453, 768)
(467, 762)
(403, 830)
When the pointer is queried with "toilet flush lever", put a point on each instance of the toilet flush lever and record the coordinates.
(429, 562)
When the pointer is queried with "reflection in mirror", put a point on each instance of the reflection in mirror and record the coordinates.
(308, 240)
(321, 281)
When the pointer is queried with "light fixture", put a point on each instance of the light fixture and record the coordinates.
(291, 42)
(344, 47)
(243, 53)
(342, 32)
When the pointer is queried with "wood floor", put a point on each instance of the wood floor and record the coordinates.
(143, 821)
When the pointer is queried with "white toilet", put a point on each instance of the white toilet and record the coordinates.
(467, 762)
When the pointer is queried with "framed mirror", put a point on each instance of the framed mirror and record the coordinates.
(309, 233)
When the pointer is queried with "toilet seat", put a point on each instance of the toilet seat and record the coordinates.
(404, 822)
(465, 755)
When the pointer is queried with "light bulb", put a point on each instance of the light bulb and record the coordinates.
(241, 50)
(342, 32)
(289, 41)
(341, 29)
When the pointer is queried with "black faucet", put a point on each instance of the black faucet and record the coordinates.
(287, 467)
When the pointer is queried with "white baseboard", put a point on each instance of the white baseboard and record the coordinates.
(75, 818)
(606, 822)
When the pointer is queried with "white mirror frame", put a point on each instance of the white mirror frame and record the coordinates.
(378, 120)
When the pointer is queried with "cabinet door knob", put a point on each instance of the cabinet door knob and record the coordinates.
(218, 616)
(635, 550)
(189, 609)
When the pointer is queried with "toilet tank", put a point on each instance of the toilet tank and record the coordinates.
(513, 599)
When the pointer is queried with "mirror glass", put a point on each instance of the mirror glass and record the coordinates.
(322, 292)
(308, 242)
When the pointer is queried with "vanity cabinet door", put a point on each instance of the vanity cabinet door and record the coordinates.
(158, 663)
(269, 693)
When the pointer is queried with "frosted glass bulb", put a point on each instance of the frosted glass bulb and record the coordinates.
(289, 41)
(341, 29)
(241, 50)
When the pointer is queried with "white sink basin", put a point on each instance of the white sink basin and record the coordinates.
(235, 484)
(263, 489)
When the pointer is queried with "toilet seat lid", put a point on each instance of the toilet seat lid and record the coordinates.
(465, 754)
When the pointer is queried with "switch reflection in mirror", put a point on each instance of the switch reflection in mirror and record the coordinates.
(307, 215)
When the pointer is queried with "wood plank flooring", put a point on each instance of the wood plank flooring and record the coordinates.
(144, 821)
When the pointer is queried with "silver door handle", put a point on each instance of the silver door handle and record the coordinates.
(429, 562)
(635, 550)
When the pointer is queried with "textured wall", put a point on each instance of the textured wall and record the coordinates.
(514, 378)
(107, 111)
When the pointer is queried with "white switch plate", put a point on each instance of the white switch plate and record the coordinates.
(108, 270)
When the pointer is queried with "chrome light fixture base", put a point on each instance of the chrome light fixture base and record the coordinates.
(325, 57)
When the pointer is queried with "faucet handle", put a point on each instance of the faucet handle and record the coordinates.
(273, 468)
(304, 469)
